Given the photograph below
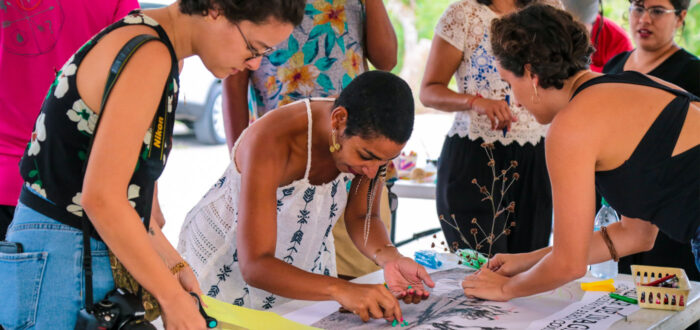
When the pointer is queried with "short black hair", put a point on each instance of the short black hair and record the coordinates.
(379, 104)
(549, 39)
(256, 11)
(678, 5)
(519, 3)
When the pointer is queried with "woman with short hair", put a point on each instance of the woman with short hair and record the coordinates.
(262, 234)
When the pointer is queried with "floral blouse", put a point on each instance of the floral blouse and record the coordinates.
(319, 59)
(466, 26)
(54, 159)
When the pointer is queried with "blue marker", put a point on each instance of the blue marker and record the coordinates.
(505, 129)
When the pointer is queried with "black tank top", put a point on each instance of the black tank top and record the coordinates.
(652, 185)
(53, 162)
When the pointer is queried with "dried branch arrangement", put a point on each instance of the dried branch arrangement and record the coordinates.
(501, 181)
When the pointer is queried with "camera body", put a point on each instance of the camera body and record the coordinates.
(119, 310)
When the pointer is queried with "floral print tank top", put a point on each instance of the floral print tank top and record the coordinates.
(54, 159)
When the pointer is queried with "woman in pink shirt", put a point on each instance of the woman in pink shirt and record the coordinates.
(37, 38)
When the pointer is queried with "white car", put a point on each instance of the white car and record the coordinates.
(199, 104)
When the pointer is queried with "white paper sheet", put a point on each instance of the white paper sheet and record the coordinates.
(595, 311)
(448, 308)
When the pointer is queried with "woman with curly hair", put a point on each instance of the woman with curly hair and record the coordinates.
(635, 138)
(97, 150)
(486, 111)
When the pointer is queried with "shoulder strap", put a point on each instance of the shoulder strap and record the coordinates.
(115, 70)
(308, 138)
(634, 78)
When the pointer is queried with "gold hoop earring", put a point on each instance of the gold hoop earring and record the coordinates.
(535, 98)
(334, 144)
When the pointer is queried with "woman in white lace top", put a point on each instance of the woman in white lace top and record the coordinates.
(486, 115)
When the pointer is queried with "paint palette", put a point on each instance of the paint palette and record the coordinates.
(659, 297)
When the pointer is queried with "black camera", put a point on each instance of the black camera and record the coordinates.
(119, 310)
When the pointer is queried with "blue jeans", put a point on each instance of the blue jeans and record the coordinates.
(696, 247)
(44, 287)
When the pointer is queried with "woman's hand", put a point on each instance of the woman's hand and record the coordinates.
(511, 264)
(369, 301)
(405, 279)
(189, 281)
(485, 284)
(181, 312)
(498, 112)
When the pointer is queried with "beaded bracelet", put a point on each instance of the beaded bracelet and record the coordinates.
(178, 267)
(609, 243)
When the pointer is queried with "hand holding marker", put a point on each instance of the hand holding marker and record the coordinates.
(393, 324)
(505, 129)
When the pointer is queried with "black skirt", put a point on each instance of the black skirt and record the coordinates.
(463, 160)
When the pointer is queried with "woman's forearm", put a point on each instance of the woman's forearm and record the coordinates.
(264, 273)
(440, 97)
(119, 226)
(160, 243)
(378, 247)
(549, 273)
(380, 36)
(628, 236)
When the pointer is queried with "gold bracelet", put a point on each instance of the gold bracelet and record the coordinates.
(178, 267)
(609, 243)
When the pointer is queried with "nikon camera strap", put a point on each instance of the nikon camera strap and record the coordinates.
(115, 70)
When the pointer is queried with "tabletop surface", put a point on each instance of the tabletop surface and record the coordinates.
(641, 319)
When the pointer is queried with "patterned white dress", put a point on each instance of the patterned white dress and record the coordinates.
(306, 214)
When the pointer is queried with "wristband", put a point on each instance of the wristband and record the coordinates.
(470, 103)
(609, 243)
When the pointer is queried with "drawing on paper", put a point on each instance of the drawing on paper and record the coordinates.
(447, 308)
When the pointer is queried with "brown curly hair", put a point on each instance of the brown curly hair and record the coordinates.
(554, 44)
(256, 11)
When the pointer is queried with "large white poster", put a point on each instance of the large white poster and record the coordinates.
(449, 308)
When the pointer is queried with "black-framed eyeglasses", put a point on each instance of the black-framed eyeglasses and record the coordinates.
(255, 53)
(654, 12)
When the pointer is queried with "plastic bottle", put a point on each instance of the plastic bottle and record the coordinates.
(605, 217)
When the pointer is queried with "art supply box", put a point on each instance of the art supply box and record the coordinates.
(660, 297)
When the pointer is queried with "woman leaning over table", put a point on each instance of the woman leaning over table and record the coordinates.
(482, 113)
(653, 26)
(262, 234)
(88, 157)
(634, 137)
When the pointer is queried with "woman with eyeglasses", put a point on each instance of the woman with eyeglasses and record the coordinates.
(653, 25)
(97, 151)
(262, 234)
(634, 137)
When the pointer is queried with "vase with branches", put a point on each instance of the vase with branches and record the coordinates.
(502, 211)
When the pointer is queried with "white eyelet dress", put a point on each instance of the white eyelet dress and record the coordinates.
(306, 214)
